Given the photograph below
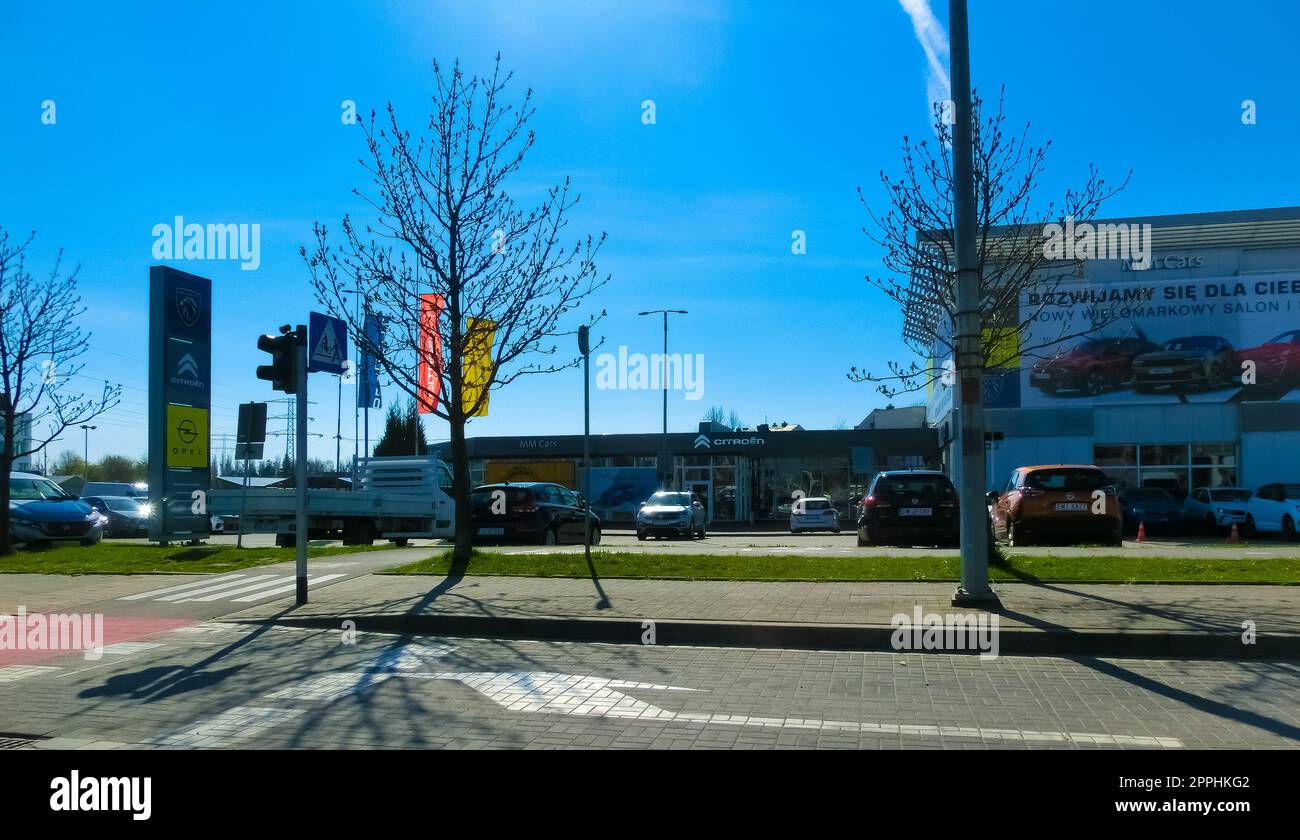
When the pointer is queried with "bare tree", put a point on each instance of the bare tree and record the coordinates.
(444, 224)
(720, 414)
(40, 345)
(1018, 280)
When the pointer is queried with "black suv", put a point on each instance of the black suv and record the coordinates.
(909, 507)
(530, 512)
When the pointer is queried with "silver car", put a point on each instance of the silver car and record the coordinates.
(670, 513)
(816, 514)
(40, 511)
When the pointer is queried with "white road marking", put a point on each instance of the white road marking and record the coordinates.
(203, 581)
(259, 596)
(14, 673)
(266, 580)
(237, 724)
(128, 648)
(568, 694)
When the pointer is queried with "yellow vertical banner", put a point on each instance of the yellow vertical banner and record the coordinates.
(479, 333)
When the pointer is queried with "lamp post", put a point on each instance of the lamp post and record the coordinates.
(666, 467)
(86, 457)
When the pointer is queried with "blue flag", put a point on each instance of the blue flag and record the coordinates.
(368, 393)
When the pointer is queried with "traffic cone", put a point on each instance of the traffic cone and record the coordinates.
(1142, 532)
(1235, 536)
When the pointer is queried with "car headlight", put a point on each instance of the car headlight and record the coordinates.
(146, 509)
(20, 519)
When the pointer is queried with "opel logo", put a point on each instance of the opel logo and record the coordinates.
(914, 500)
(186, 431)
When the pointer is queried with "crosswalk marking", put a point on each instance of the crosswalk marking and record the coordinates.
(14, 673)
(239, 588)
(203, 581)
(237, 724)
(187, 595)
(258, 596)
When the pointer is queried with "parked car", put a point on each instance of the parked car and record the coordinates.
(112, 488)
(817, 514)
(1274, 509)
(531, 511)
(909, 507)
(1216, 506)
(1091, 367)
(1199, 360)
(1276, 360)
(670, 513)
(1153, 506)
(126, 517)
(1077, 500)
(40, 511)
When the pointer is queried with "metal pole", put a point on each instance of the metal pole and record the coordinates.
(338, 429)
(586, 448)
(974, 587)
(667, 480)
(300, 469)
(243, 499)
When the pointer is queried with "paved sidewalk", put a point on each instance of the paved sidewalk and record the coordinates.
(1061, 610)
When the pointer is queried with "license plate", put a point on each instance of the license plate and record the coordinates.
(1071, 506)
(1162, 371)
(916, 512)
(1042, 376)
(491, 532)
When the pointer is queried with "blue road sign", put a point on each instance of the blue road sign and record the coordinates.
(327, 344)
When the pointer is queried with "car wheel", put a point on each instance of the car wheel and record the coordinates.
(640, 535)
(1048, 387)
(595, 536)
(1015, 535)
(93, 540)
(1288, 529)
(549, 537)
(1248, 530)
(1117, 540)
(1095, 384)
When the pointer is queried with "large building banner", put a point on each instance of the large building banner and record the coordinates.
(1163, 341)
(430, 371)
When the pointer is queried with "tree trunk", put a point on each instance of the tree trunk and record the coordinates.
(6, 466)
(460, 483)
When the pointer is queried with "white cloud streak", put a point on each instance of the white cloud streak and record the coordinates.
(933, 39)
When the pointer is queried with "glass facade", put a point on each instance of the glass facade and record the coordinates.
(1174, 467)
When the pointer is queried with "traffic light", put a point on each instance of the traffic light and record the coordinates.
(282, 373)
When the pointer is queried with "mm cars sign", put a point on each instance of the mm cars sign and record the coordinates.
(180, 399)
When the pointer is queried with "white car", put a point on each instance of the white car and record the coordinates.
(817, 514)
(1274, 509)
(1216, 506)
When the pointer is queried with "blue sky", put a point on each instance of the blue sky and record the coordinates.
(769, 116)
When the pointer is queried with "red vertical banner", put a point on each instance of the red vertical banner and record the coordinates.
(431, 307)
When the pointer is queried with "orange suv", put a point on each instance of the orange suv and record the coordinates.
(1059, 499)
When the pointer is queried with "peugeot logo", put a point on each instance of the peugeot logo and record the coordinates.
(914, 501)
(187, 306)
(702, 441)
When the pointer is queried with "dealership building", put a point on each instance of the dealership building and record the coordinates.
(1191, 378)
(742, 476)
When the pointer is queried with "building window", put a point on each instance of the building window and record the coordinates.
(1177, 468)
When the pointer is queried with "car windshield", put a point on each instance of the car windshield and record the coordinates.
(672, 499)
(915, 485)
(123, 504)
(1066, 479)
(1291, 491)
(1148, 494)
(34, 489)
(817, 504)
(1229, 495)
(1184, 344)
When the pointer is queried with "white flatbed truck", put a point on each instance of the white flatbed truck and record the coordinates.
(397, 498)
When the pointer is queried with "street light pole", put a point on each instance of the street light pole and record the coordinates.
(86, 457)
(974, 586)
(665, 472)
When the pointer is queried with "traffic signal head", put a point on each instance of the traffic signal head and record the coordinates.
(282, 373)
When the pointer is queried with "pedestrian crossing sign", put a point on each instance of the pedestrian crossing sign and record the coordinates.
(327, 340)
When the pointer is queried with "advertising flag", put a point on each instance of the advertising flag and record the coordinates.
(368, 393)
(479, 333)
(431, 307)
